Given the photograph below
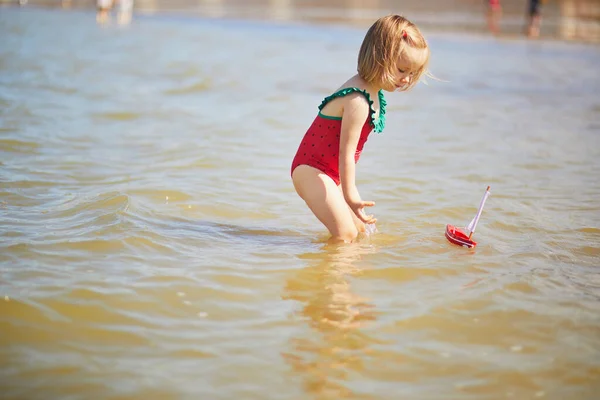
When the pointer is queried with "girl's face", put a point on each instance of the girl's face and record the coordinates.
(401, 77)
(409, 67)
(403, 74)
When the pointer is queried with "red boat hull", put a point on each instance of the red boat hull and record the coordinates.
(457, 236)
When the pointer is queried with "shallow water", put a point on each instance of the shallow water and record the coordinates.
(577, 20)
(152, 245)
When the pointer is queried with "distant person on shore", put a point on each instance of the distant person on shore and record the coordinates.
(393, 56)
(494, 14)
(125, 11)
(534, 18)
(103, 9)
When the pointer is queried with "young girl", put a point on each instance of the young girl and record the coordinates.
(393, 56)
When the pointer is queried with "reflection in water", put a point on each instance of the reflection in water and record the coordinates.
(335, 345)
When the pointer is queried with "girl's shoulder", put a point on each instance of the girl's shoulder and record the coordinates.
(357, 99)
(354, 89)
(349, 94)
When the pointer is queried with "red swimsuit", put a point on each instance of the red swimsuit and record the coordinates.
(320, 146)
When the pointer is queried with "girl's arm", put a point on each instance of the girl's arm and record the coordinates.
(355, 113)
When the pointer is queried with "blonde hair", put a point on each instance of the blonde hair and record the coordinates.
(387, 39)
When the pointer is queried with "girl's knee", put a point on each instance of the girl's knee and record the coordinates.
(347, 235)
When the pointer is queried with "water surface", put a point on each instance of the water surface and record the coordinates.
(152, 245)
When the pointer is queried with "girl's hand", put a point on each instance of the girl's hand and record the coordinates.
(359, 209)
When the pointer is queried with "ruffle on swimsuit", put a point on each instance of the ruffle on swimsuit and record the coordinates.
(379, 124)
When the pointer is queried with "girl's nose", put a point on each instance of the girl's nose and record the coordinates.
(406, 79)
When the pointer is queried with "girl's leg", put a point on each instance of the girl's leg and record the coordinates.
(360, 226)
(326, 201)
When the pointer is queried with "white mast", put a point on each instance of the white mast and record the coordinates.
(473, 224)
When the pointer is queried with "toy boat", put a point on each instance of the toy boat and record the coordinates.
(459, 236)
